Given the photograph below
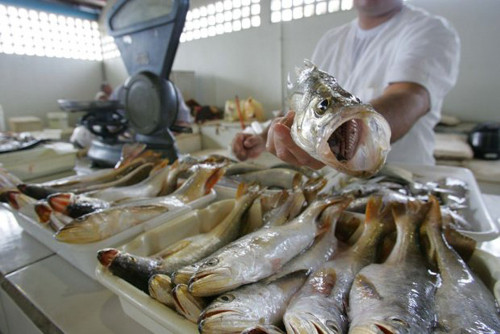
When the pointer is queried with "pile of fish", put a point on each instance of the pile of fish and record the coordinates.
(309, 265)
(96, 206)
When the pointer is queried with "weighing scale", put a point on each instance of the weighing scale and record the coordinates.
(147, 33)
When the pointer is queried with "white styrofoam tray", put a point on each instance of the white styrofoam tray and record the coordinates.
(84, 256)
(147, 311)
(160, 319)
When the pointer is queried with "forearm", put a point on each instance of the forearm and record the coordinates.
(402, 104)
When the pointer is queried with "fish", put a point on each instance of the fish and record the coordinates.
(396, 296)
(22, 203)
(320, 305)
(103, 224)
(180, 258)
(149, 187)
(463, 303)
(35, 191)
(251, 305)
(334, 126)
(259, 254)
(291, 205)
(55, 220)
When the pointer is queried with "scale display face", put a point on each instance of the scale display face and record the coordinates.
(141, 11)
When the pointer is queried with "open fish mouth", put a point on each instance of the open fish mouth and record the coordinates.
(309, 323)
(345, 140)
(209, 283)
(355, 141)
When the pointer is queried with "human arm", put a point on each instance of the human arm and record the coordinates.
(402, 104)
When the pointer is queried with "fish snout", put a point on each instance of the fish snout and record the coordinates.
(210, 282)
(309, 323)
(107, 255)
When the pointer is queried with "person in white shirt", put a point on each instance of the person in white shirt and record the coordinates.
(400, 59)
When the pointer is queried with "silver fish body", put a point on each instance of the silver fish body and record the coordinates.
(320, 305)
(259, 254)
(334, 126)
(248, 306)
(396, 296)
(463, 302)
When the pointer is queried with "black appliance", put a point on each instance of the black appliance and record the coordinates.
(485, 141)
(147, 33)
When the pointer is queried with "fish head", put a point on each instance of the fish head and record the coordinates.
(334, 126)
(314, 323)
(226, 314)
(385, 325)
(214, 276)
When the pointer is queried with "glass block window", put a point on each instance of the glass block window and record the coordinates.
(36, 33)
(288, 10)
(221, 17)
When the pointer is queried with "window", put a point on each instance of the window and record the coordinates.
(288, 10)
(221, 17)
(36, 33)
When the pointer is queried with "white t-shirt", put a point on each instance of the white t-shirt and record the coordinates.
(413, 46)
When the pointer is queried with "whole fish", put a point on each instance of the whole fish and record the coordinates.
(463, 302)
(182, 256)
(320, 305)
(248, 306)
(261, 253)
(334, 126)
(396, 296)
(106, 223)
(149, 187)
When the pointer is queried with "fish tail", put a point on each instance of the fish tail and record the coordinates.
(242, 189)
(160, 288)
(312, 187)
(106, 256)
(378, 212)
(12, 197)
(159, 166)
(431, 229)
(77, 233)
(463, 244)
(297, 181)
(43, 212)
(59, 202)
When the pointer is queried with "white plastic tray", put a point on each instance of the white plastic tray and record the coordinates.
(84, 256)
(160, 319)
(484, 228)
(148, 312)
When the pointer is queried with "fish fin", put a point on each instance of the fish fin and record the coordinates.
(313, 186)
(106, 256)
(366, 287)
(462, 244)
(43, 212)
(431, 229)
(297, 181)
(174, 248)
(242, 189)
(213, 179)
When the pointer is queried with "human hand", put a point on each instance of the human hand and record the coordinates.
(281, 144)
(246, 145)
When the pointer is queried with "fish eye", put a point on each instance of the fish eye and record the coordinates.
(332, 326)
(227, 298)
(212, 262)
(322, 106)
(398, 321)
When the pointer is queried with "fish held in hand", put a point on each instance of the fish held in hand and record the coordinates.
(334, 126)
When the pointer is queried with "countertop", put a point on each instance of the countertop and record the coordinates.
(41, 290)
